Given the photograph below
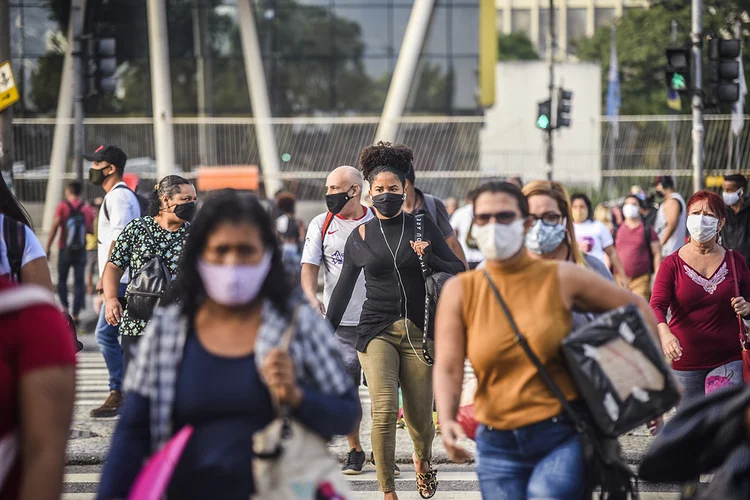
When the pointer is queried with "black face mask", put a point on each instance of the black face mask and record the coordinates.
(96, 177)
(388, 204)
(337, 202)
(186, 211)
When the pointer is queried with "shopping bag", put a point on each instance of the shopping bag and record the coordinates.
(154, 477)
(465, 415)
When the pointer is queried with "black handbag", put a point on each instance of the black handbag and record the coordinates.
(433, 285)
(150, 283)
(620, 371)
(608, 473)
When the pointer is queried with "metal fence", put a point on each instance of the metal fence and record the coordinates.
(448, 150)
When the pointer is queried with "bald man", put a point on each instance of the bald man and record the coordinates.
(325, 242)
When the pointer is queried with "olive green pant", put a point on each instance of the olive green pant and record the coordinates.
(388, 361)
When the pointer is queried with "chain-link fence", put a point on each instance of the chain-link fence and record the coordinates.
(447, 150)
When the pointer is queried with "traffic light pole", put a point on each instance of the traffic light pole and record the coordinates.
(552, 47)
(78, 91)
(697, 36)
(6, 116)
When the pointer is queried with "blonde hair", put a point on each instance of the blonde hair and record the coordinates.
(557, 192)
(604, 215)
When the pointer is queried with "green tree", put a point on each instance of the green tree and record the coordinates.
(515, 47)
(642, 36)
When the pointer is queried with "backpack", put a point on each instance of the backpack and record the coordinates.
(14, 234)
(430, 206)
(142, 202)
(433, 285)
(74, 231)
(150, 283)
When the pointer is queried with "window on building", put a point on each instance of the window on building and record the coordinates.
(499, 21)
(576, 26)
(603, 17)
(520, 20)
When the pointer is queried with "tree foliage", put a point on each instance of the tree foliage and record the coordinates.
(515, 47)
(641, 37)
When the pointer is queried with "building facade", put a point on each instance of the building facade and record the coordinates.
(574, 19)
(331, 57)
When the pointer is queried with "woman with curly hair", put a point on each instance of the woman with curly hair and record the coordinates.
(390, 328)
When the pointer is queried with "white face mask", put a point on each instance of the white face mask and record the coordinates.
(702, 228)
(630, 212)
(499, 241)
(731, 199)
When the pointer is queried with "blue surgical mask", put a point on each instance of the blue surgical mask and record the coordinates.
(543, 238)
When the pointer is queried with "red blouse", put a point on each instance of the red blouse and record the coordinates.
(703, 319)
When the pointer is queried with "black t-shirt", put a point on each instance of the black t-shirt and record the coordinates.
(385, 302)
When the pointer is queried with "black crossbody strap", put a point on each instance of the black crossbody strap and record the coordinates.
(580, 425)
(419, 236)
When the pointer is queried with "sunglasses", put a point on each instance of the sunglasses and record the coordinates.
(499, 218)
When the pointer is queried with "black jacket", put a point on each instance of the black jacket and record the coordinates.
(736, 234)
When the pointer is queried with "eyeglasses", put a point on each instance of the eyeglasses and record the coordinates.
(549, 219)
(499, 218)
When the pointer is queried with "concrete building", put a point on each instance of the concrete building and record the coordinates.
(574, 19)
(512, 145)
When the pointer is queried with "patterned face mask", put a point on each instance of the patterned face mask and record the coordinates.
(544, 238)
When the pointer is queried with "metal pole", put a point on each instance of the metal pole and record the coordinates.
(256, 82)
(204, 72)
(552, 48)
(61, 140)
(406, 67)
(697, 41)
(161, 87)
(673, 125)
(6, 116)
(78, 90)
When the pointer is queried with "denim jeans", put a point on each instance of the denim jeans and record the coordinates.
(77, 261)
(698, 383)
(542, 461)
(109, 345)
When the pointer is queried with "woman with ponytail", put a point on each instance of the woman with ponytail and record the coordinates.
(172, 205)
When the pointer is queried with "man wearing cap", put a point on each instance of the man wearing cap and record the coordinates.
(119, 207)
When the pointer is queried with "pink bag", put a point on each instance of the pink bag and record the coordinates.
(152, 481)
(465, 416)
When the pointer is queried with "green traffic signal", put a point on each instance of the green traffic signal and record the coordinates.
(679, 82)
(542, 122)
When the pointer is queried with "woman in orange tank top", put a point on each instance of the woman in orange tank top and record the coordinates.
(526, 446)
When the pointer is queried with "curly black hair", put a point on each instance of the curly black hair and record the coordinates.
(386, 157)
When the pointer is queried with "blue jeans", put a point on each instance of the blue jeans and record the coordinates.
(698, 383)
(109, 345)
(77, 261)
(539, 461)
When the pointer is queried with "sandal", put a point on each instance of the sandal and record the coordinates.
(427, 483)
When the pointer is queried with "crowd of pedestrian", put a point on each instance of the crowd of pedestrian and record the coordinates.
(228, 287)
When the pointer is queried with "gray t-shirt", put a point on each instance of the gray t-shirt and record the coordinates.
(437, 212)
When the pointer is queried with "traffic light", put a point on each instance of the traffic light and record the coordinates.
(544, 115)
(563, 107)
(723, 71)
(102, 65)
(678, 69)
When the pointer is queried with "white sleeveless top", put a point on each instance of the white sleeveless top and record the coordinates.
(677, 240)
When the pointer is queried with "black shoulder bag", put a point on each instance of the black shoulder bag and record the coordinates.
(433, 285)
(151, 282)
(607, 470)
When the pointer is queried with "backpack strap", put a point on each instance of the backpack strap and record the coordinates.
(647, 238)
(104, 205)
(14, 233)
(431, 206)
(419, 236)
(326, 225)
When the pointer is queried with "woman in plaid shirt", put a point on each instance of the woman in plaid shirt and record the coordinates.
(210, 359)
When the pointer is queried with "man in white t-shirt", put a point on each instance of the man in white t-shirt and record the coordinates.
(461, 221)
(325, 242)
(120, 206)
